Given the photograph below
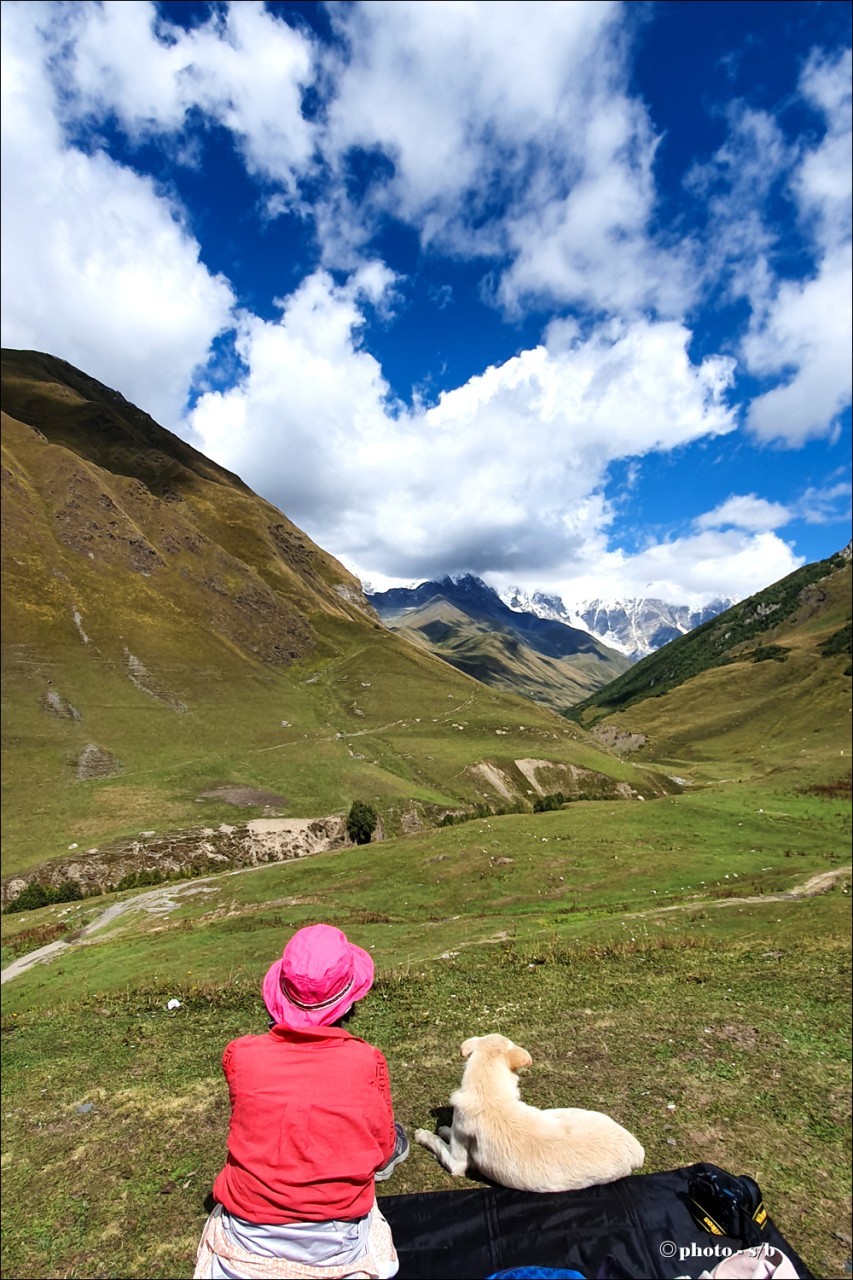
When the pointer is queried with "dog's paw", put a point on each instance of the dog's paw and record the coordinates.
(423, 1137)
(444, 1133)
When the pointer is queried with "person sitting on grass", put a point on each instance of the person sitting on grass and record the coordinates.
(312, 1129)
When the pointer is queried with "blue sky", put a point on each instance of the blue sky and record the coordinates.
(558, 294)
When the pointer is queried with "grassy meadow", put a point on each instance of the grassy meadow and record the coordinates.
(646, 954)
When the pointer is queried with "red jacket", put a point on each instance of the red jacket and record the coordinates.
(311, 1122)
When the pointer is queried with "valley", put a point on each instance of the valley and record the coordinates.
(651, 894)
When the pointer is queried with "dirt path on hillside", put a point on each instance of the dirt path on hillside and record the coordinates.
(162, 900)
(159, 901)
(811, 888)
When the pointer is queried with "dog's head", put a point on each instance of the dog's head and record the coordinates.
(498, 1048)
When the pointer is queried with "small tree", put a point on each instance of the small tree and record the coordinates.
(361, 822)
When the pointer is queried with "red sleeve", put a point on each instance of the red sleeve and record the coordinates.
(384, 1110)
(228, 1068)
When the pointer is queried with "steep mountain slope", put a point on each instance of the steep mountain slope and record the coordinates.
(633, 627)
(467, 624)
(763, 687)
(171, 641)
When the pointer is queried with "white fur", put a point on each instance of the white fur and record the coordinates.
(519, 1146)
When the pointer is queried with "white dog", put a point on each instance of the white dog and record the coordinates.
(520, 1146)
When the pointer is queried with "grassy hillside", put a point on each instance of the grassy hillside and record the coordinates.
(775, 701)
(166, 632)
(814, 601)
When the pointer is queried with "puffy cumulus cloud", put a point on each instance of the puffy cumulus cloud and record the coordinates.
(503, 474)
(244, 68)
(454, 94)
(510, 132)
(504, 131)
(804, 340)
(97, 267)
(700, 567)
(801, 330)
(312, 406)
(745, 511)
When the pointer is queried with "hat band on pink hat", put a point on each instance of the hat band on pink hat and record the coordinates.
(320, 975)
(319, 1004)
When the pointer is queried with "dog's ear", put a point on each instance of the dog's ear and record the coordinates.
(469, 1046)
(518, 1058)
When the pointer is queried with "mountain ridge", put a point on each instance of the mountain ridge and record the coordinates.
(466, 623)
(635, 626)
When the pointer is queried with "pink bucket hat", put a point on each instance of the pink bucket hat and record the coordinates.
(319, 977)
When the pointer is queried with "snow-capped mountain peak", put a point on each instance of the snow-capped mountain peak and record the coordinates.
(634, 627)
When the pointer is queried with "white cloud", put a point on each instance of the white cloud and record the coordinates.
(827, 505)
(799, 334)
(711, 565)
(805, 339)
(311, 400)
(97, 267)
(455, 93)
(508, 130)
(734, 189)
(745, 511)
(511, 134)
(802, 330)
(244, 68)
(504, 473)
(825, 177)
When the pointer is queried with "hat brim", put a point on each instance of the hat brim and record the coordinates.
(286, 1012)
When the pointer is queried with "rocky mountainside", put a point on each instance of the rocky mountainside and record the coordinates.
(466, 623)
(633, 627)
(177, 655)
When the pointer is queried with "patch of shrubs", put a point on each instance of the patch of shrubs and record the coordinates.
(139, 879)
(482, 811)
(840, 642)
(37, 895)
(545, 804)
(153, 875)
(840, 789)
(31, 939)
(769, 653)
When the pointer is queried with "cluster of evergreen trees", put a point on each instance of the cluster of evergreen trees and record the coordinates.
(37, 894)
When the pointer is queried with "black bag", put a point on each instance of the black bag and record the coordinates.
(645, 1223)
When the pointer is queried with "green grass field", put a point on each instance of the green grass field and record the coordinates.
(621, 946)
(744, 1032)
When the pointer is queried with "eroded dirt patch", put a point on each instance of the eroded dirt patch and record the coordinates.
(243, 797)
(59, 706)
(97, 762)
